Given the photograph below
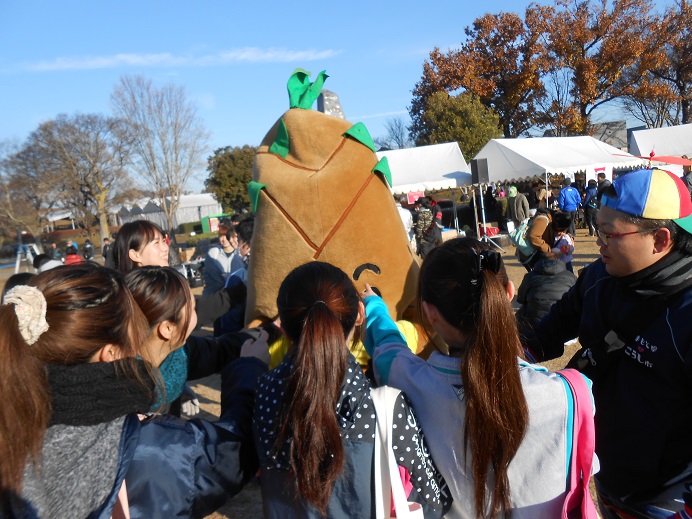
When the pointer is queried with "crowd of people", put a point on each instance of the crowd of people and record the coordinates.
(96, 360)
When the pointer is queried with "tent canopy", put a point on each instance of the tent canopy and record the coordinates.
(671, 140)
(518, 159)
(65, 214)
(427, 168)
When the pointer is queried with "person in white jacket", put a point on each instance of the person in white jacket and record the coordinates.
(407, 220)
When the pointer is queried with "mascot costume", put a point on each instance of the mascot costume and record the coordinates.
(319, 193)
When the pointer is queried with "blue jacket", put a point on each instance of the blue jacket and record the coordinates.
(644, 398)
(180, 468)
(172, 467)
(590, 193)
(217, 268)
(569, 199)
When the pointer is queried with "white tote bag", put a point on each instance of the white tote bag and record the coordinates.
(387, 478)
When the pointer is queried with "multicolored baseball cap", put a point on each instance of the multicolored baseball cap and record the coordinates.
(652, 193)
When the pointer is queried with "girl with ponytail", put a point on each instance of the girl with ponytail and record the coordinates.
(314, 419)
(79, 371)
(495, 424)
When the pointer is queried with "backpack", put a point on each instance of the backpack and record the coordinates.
(518, 238)
(592, 202)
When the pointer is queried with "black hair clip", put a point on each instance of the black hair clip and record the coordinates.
(485, 260)
(489, 260)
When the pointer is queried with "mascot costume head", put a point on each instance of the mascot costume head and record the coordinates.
(319, 193)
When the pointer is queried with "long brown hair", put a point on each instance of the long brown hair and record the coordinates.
(87, 307)
(459, 278)
(162, 294)
(318, 307)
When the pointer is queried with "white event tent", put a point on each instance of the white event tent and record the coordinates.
(518, 159)
(192, 208)
(670, 140)
(427, 168)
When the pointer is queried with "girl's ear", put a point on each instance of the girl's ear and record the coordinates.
(109, 353)
(360, 319)
(134, 255)
(511, 290)
(165, 330)
(431, 312)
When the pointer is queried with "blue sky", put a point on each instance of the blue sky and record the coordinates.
(233, 58)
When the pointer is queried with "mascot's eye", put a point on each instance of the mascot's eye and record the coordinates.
(373, 268)
(366, 266)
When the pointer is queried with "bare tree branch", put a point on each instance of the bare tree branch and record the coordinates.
(169, 140)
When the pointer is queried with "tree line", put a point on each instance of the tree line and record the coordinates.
(553, 67)
(152, 144)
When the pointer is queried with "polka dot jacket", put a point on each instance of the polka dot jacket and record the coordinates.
(356, 416)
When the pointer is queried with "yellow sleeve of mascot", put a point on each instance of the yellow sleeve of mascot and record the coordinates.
(280, 347)
(320, 194)
(407, 329)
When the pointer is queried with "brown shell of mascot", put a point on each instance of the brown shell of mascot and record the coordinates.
(319, 193)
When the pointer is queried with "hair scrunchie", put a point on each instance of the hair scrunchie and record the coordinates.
(30, 307)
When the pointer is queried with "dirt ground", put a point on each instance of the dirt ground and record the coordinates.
(248, 503)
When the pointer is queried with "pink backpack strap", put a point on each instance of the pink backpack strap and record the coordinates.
(578, 502)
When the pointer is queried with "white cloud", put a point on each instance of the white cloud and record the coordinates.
(165, 59)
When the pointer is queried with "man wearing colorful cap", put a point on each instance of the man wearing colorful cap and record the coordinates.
(632, 312)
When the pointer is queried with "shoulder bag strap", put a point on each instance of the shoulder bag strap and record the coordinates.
(387, 475)
(578, 500)
(383, 485)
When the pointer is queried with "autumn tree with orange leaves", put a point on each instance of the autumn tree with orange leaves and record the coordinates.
(596, 43)
(501, 63)
(664, 92)
(552, 68)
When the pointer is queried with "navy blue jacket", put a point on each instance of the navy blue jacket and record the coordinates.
(174, 467)
(180, 468)
(541, 289)
(644, 398)
(590, 192)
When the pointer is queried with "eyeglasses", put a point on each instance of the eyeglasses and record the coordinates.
(605, 236)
